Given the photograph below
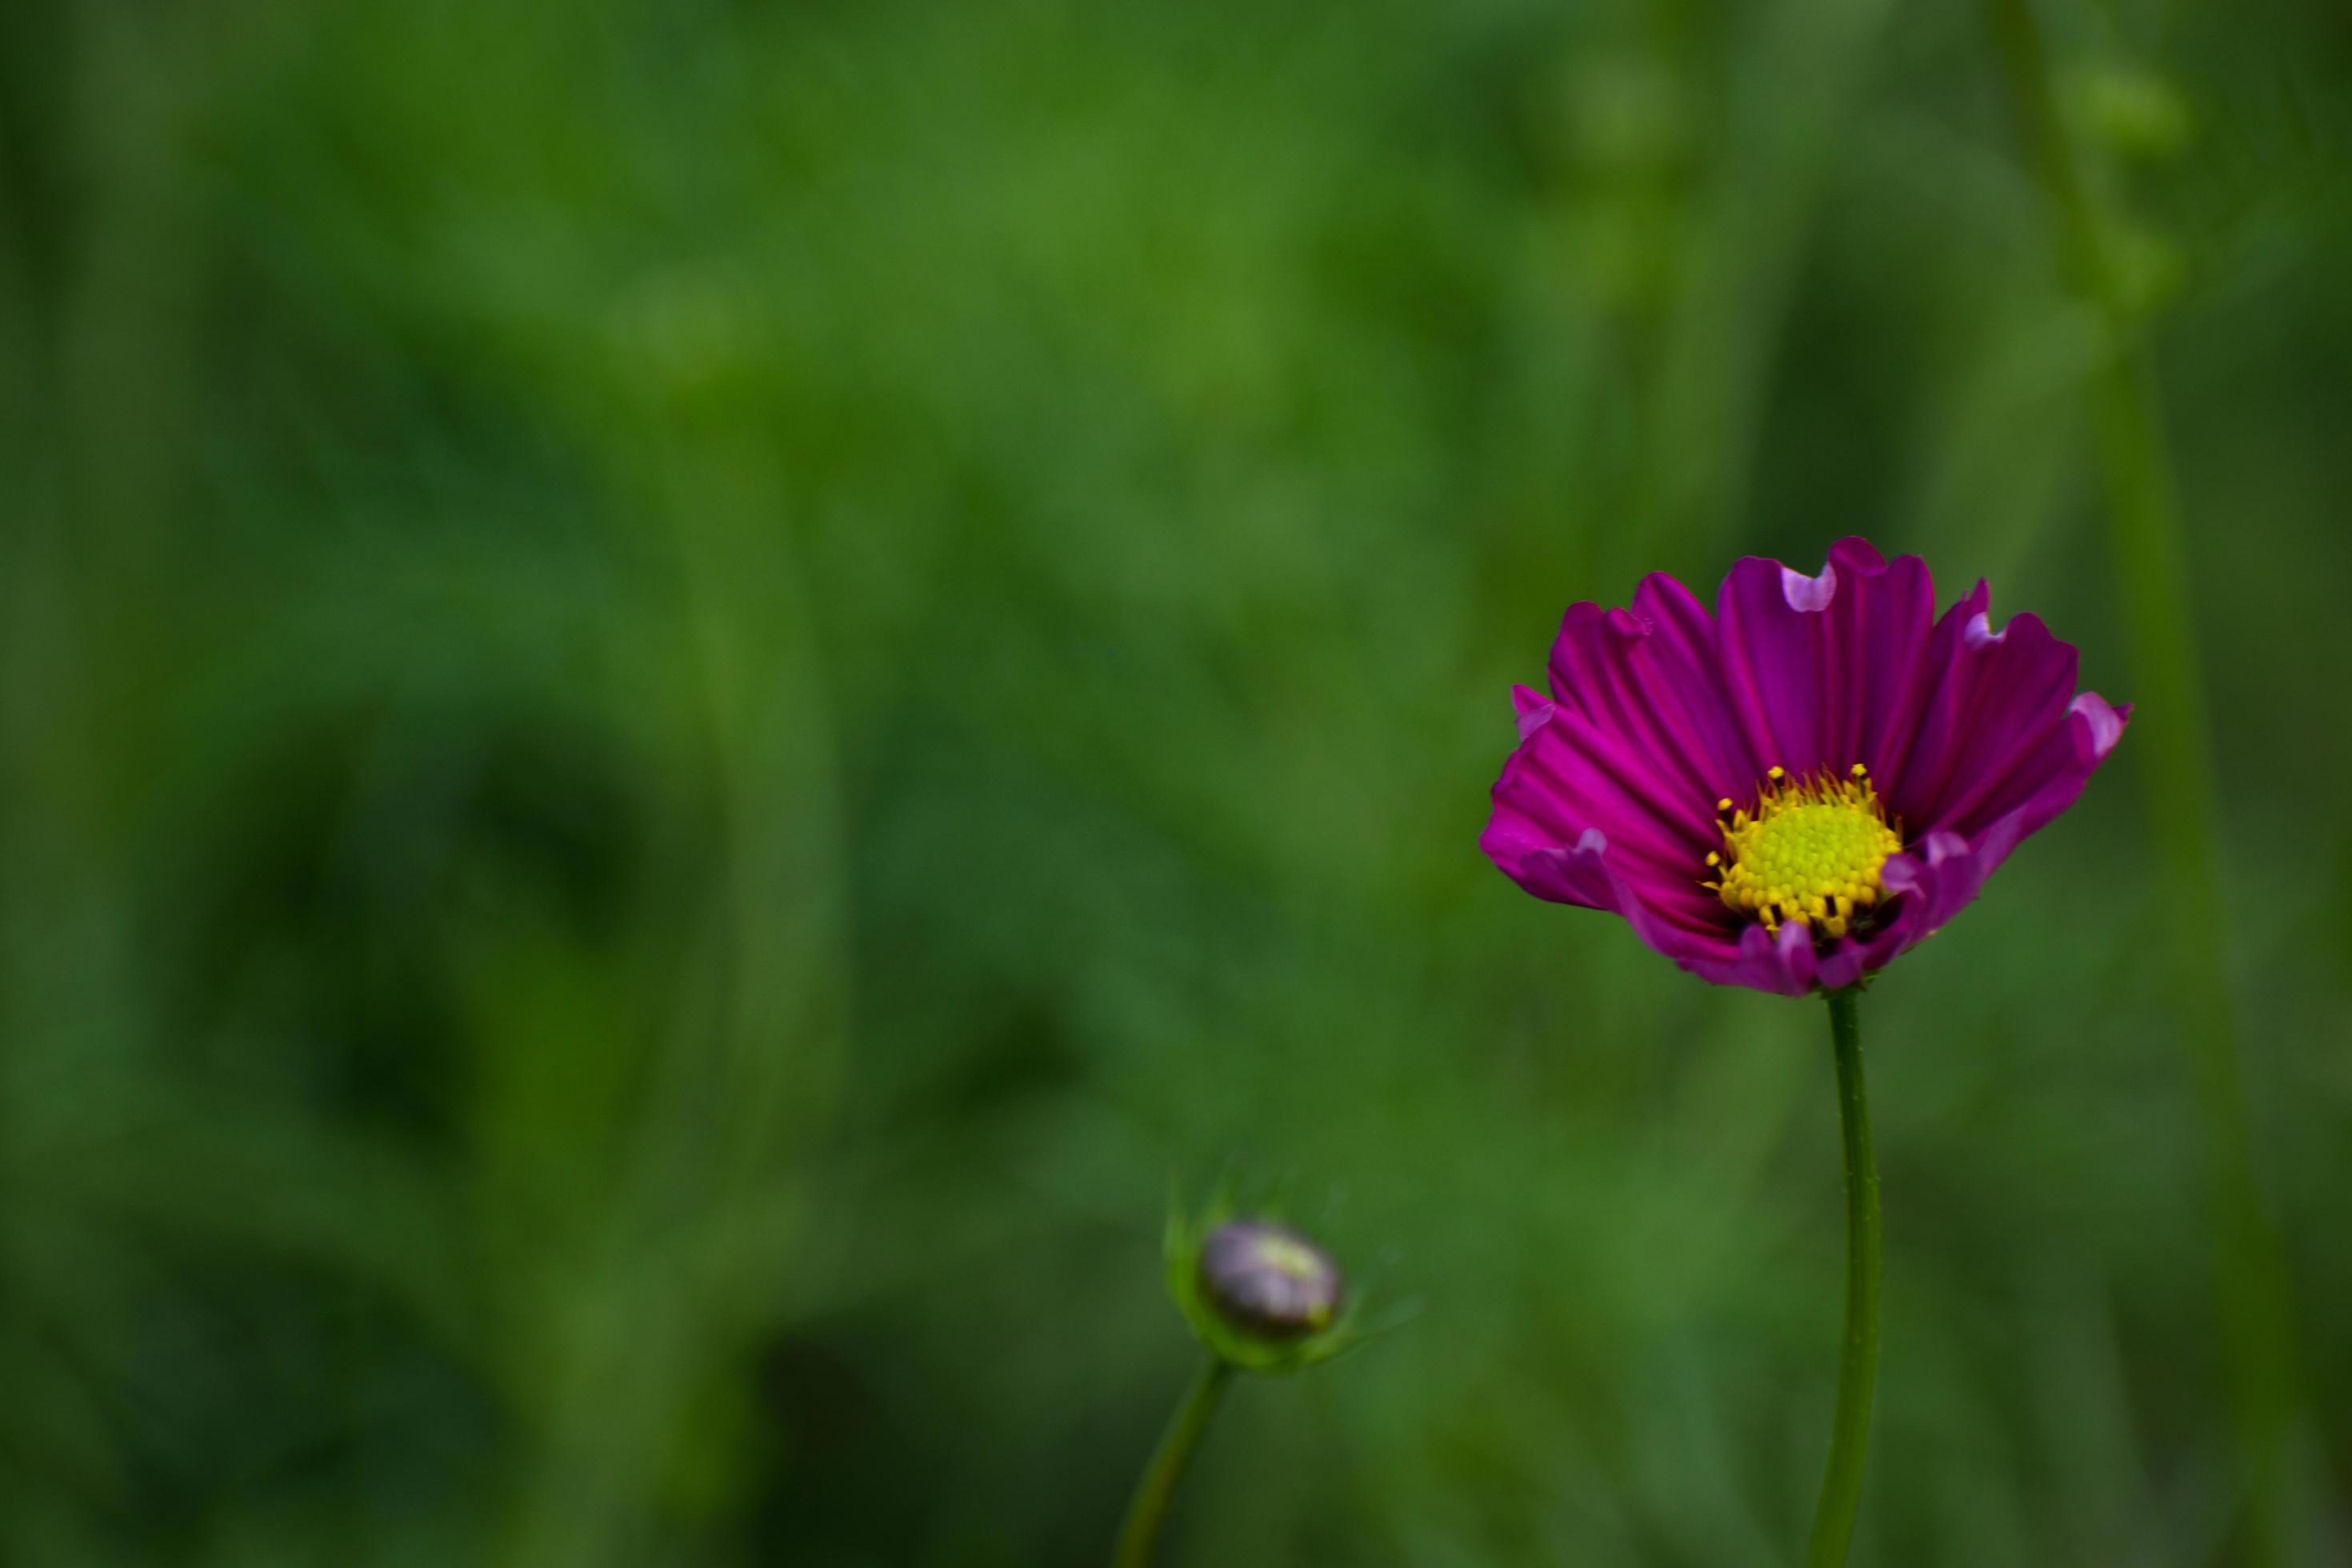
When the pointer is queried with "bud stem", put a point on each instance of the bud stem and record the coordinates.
(1858, 1359)
(1139, 1539)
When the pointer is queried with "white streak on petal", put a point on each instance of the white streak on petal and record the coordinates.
(2107, 725)
(1810, 593)
(1533, 708)
(1944, 845)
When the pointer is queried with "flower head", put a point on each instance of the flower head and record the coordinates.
(1791, 792)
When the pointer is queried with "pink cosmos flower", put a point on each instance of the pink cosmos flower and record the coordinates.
(1791, 792)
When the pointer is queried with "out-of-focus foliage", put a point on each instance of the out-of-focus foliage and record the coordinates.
(687, 688)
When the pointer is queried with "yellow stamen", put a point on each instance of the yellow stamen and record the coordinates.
(1811, 852)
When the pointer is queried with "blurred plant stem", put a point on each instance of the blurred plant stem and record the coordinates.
(1139, 1539)
(1858, 1356)
(2146, 537)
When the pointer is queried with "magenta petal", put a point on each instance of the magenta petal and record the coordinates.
(2021, 681)
(1569, 876)
(1936, 884)
(1681, 674)
(1855, 553)
(1582, 874)
(1917, 751)
(1602, 668)
(1763, 961)
(1951, 868)
(2089, 734)
(1879, 628)
(1843, 963)
(1567, 780)
(1653, 675)
(1823, 671)
(1568, 775)
(1775, 640)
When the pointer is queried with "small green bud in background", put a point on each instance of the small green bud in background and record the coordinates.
(1258, 1294)
(1260, 1297)
(1268, 1280)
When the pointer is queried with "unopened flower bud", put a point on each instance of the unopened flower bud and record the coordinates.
(1268, 1280)
(1258, 1294)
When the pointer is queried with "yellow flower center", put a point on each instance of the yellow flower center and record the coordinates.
(1810, 852)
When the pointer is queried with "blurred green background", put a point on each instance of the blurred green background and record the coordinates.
(687, 690)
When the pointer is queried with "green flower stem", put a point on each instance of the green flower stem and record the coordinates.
(1139, 1539)
(2147, 539)
(1858, 1357)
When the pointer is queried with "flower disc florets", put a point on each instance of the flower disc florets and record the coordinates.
(1811, 851)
